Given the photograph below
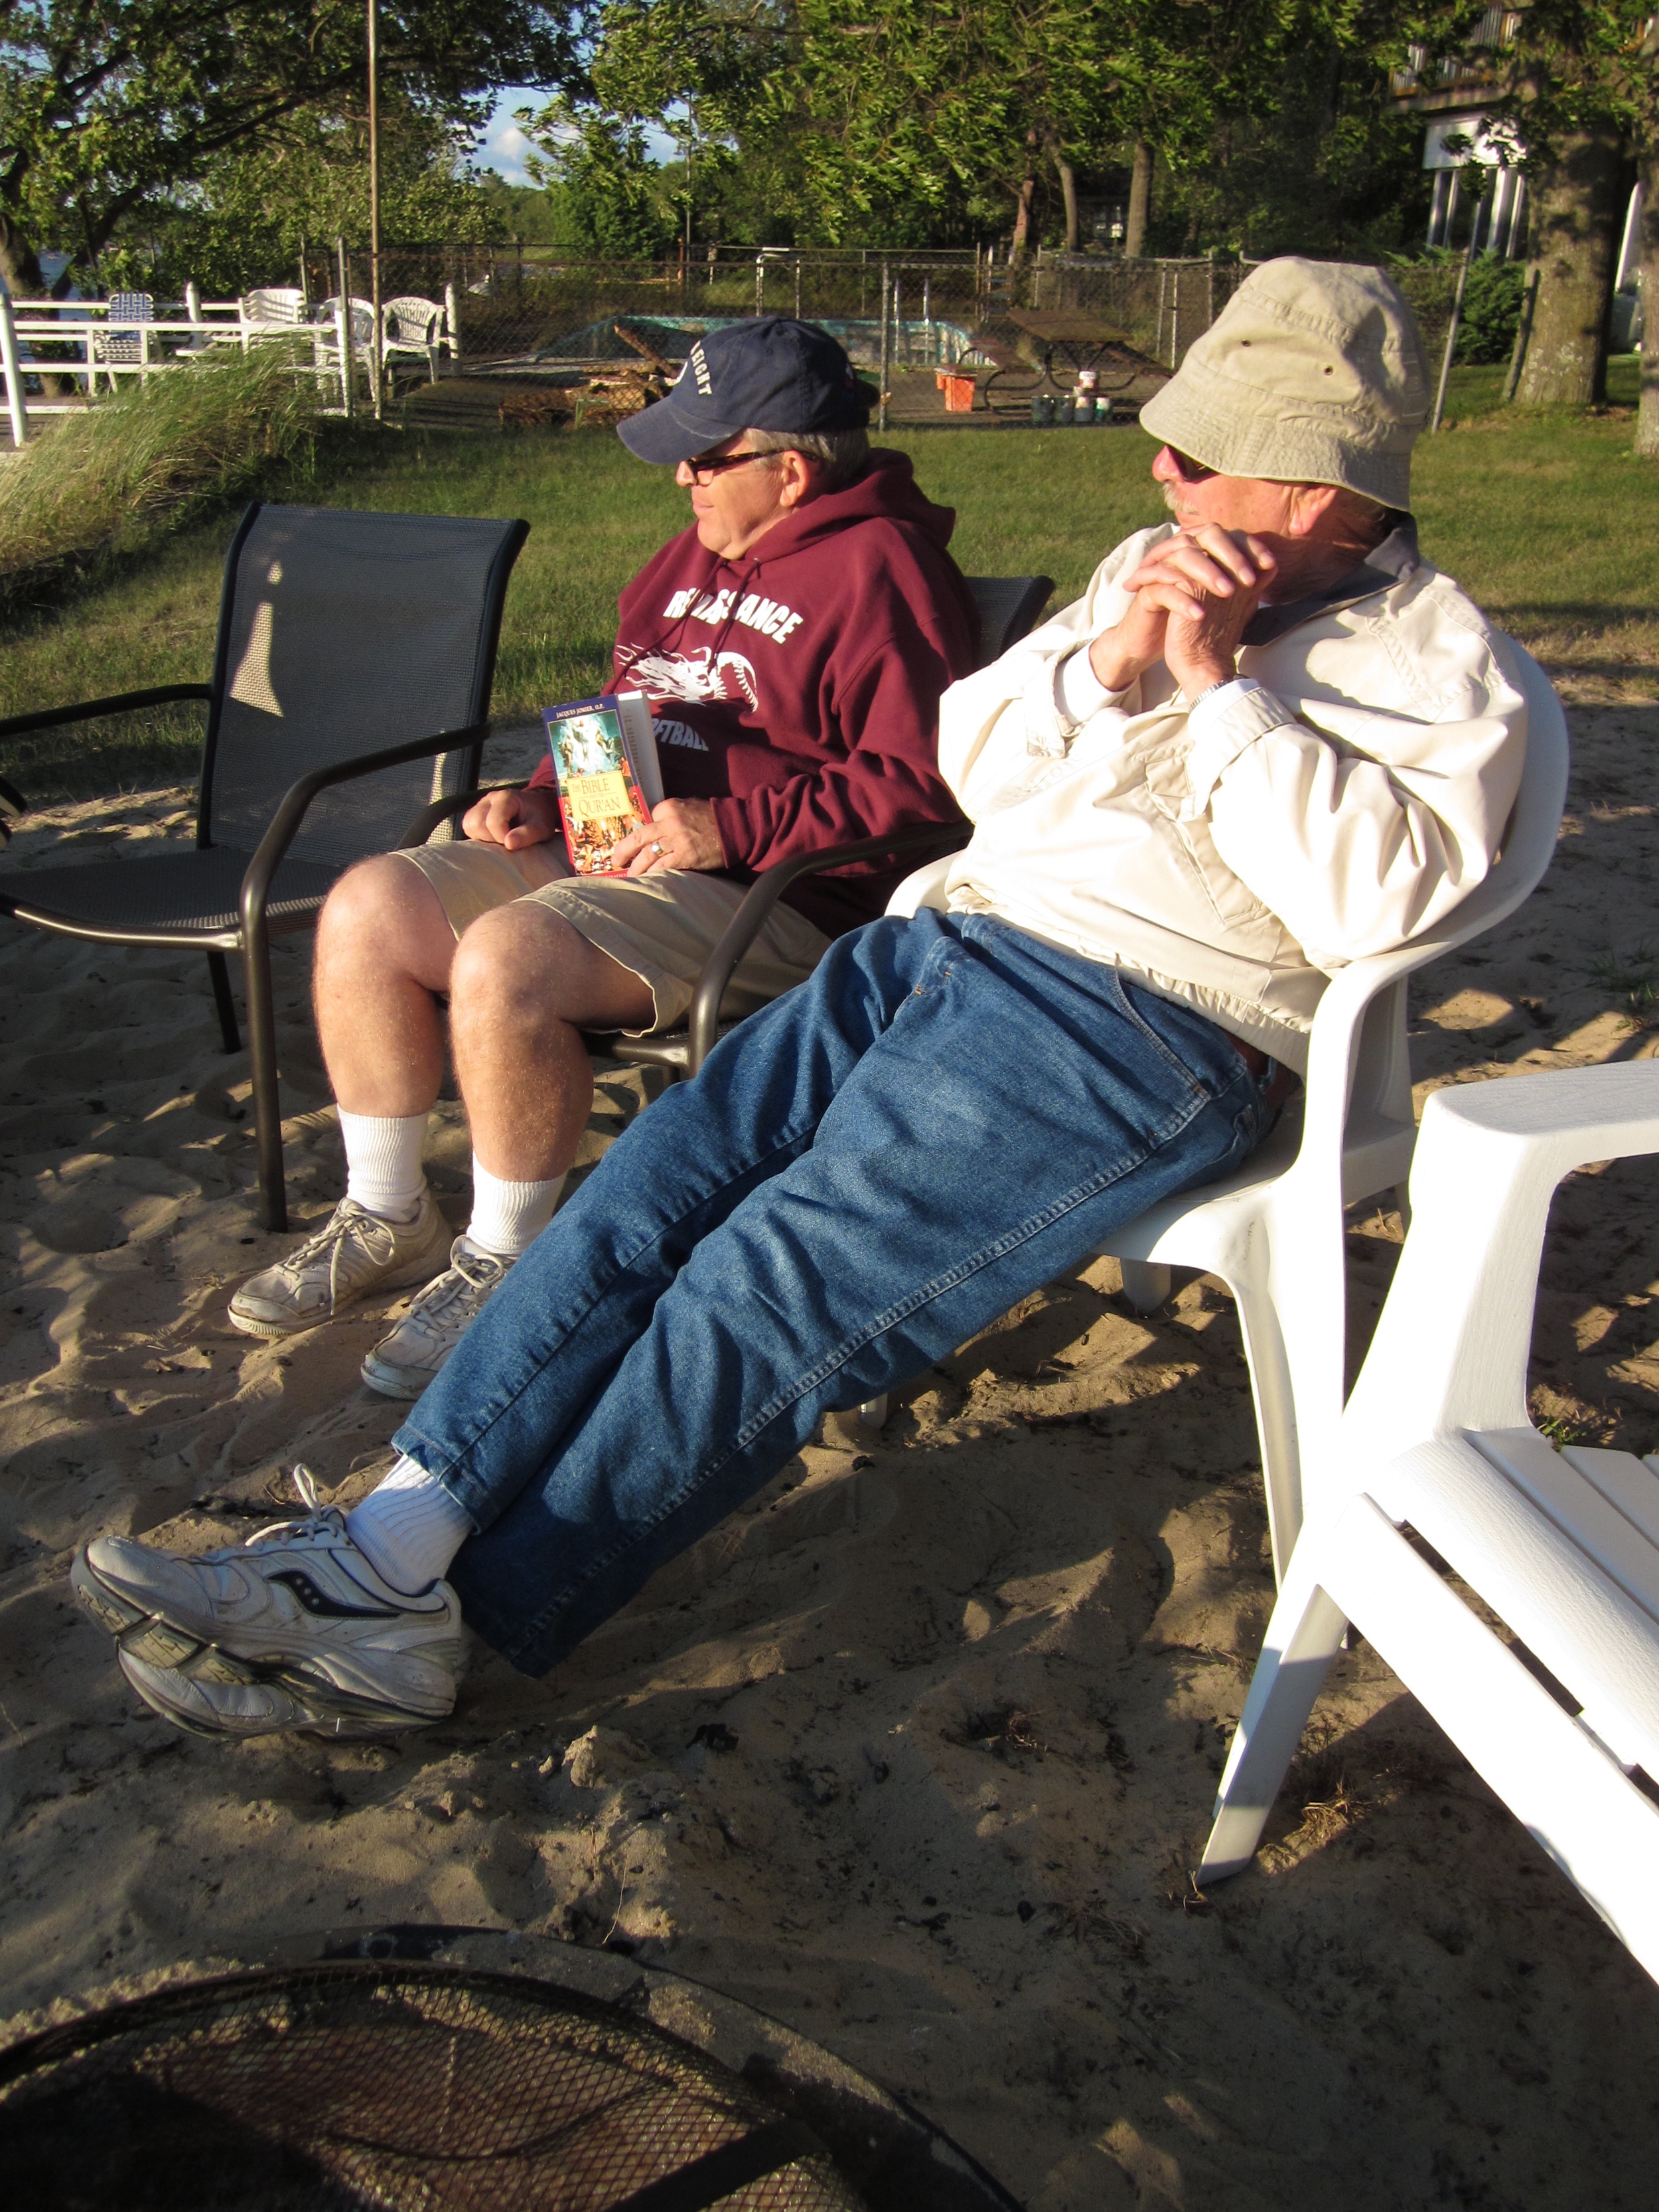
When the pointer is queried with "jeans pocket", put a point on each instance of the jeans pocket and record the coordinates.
(1161, 1045)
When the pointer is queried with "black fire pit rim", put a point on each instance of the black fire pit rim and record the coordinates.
(898, 2158)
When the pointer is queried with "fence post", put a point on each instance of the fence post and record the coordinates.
(453, 310)
(192, 301)
(348, 366)
(1174, 318)
(760, 283)
(886, 353)
(16, 406)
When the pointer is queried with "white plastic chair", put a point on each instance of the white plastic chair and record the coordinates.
(1274, 1232)
(1564, 1547)
(283, 304)
(411, 325)
(362, 325)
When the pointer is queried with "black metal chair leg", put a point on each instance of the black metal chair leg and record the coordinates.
(267, 1109)
(225, 1005)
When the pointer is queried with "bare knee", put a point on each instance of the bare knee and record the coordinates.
(384, 914)
(511, 966)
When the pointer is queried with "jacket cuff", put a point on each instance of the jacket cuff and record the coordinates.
(1079, 692)
(1224, 724)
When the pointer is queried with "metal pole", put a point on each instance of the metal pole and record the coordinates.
(760, 283)
(305, 280)
(15, 406)
(374, 197)
(192, 301)
(886, 355)
(451, 309)
(342, 332)
(1175, 319)
(798, 287)
(1451, 327)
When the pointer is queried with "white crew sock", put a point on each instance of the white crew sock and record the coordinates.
(383, 1162)
(508, 1217)
(410, 1529)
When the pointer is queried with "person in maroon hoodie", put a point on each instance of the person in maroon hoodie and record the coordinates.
(793, 643)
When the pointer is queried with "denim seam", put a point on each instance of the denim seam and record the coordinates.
(1033, 1225)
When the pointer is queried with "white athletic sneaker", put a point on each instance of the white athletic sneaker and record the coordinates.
(213, 1695)
(354, 1254)
(302, 1609)
(401, 1364)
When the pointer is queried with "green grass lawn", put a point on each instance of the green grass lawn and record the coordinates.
(1548, 520)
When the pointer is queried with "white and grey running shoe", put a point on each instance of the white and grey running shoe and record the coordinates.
(298, 1605)
(401, 1364)
(355, 1254)
(213, 1695)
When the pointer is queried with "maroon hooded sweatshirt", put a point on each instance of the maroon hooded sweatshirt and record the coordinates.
(797, 687)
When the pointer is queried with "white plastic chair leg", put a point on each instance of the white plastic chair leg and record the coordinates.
(1304, 1636)
(1147, 1284)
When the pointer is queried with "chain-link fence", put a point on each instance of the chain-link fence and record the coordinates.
(529, 315)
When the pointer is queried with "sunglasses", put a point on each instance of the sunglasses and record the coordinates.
(1189, 470)
(704, 472)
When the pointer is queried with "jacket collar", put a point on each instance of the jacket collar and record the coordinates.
(1391, 562)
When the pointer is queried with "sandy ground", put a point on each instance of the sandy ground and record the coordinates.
(915, 1753)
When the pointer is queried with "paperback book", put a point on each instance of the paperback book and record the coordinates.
(605, 760)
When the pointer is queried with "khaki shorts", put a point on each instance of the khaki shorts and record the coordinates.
(661, 927)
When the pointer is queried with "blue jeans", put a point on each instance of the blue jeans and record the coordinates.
(946, 1115)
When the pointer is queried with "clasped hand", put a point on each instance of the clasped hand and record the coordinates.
(682, 833)
(1193, 594)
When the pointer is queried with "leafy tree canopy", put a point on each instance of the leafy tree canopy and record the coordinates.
(109, 105)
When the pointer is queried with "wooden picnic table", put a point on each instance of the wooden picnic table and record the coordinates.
(1079, 341)
(1055, 345)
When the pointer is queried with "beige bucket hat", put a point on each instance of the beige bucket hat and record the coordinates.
(1313, 372)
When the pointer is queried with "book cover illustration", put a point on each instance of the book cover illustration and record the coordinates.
(600, 799)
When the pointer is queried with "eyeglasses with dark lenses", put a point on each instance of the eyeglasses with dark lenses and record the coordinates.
(1188, 470)
(704, 471)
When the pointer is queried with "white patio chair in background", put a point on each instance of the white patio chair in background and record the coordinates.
(1563, 1548)
(283, 304)
(1274, 1232)
(119, 342)
(362, 325)
(413, 326)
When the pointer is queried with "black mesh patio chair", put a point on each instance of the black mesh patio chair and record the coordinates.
(1008, 607)
(350, 687)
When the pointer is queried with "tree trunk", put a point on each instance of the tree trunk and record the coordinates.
(1140, 201)
(1068, 194)
(1021, 237)
(1575, 235)
(1647, 419)
(19, 265)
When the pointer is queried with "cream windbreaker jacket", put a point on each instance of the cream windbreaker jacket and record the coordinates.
(1236, 856)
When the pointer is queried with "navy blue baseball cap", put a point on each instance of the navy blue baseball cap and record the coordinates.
(770, 374)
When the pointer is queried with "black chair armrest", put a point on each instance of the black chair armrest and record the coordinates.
(285, 823)
(763, 894)
(123, 702)
(427, 819)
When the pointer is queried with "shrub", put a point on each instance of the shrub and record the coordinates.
(150, 457)
(1491, 311)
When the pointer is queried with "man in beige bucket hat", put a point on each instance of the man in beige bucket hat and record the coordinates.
(1269, 739)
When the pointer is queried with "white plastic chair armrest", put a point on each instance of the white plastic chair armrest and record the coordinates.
(1450, 1351)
